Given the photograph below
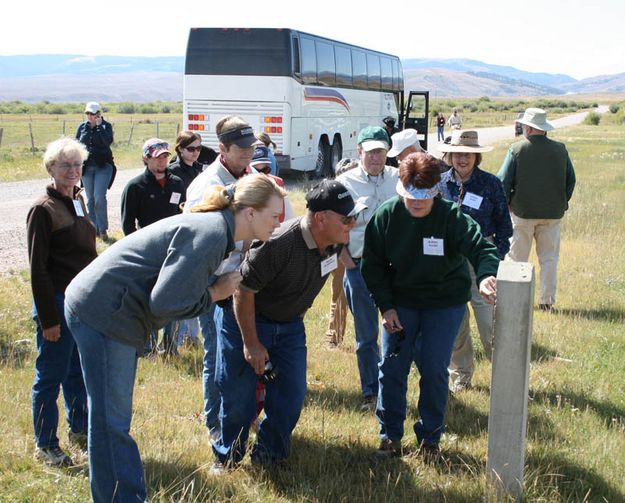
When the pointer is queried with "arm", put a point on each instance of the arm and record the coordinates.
(39, 233)
(346, 258)
(502, 221)
(570, 178)
(254, 352)
(129, 210)
(507, 174)
(103, 134)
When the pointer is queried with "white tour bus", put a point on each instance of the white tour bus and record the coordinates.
(312, 95)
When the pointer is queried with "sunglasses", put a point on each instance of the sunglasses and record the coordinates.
(397, 349)
(347, 220)
(193, 149)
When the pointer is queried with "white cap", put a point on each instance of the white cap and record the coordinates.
(92, 107)
(403, 140)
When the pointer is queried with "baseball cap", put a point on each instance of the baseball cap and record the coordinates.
(92, 107)
(403, 140)
(332, 195)
(373, 137)
(242, 136)
(261, 156)
(412, 192)
(389, 121)
(155, 147)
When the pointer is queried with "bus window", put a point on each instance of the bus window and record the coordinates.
(387, 73)
(359, 69)
(308, 61)
(373, 68)
(326, 72)
(297, 69)
(396, 79)
(343, 66)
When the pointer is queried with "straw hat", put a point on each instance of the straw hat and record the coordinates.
(464, 141)
(536, 118)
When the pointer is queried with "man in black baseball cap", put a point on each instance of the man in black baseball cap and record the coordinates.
(281, 279)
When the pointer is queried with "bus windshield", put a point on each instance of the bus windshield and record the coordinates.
(259, 51)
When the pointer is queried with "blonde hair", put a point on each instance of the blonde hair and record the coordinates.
(251, 191)
(63, 147)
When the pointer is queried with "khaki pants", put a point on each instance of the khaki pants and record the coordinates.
(547, 235)
(461, 366)
(338, 308)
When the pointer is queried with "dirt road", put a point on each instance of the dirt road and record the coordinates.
(18, 196)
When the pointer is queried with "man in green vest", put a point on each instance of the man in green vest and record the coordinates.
(538, 180)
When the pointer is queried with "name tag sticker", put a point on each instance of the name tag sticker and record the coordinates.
(328, 265)
(78, 208)
(472, 200)
(175, 198)
(433, 246)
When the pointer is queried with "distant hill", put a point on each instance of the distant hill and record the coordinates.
(54, 77)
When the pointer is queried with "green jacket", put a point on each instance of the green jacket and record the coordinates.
(538, 178)
(398, 273)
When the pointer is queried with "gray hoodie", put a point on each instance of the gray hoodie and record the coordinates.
(159, 273)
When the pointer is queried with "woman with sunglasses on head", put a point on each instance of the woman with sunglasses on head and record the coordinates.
(415, 265)
(163, 272)
(186, 165)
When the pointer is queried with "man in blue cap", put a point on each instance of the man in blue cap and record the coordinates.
(372, 182)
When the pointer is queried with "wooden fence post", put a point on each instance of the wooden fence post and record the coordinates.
(1, 131)
(507, 420)
(32, 138)
(132, 127)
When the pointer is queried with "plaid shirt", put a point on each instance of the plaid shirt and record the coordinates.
(492, 214)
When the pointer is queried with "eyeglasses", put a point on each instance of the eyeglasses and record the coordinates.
(400, 338)
(347, 220)
(194, 149)
(67, 165)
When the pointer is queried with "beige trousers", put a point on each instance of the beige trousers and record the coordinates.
(461, 365)
(547, 235)
(338, 308)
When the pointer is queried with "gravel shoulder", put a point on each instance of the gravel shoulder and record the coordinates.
(18, 196)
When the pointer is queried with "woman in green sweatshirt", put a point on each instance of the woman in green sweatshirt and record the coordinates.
(415, 268)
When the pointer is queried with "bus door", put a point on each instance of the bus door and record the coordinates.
(416, 115)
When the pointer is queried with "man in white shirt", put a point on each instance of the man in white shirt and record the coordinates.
(372, 183)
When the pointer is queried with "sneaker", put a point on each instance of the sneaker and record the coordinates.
(217, 468)
(78, 439)
(545, 307)
(462, 383)
(103, 236)
(368, 403)
(389, 449)
(431, 453)
(53, 456)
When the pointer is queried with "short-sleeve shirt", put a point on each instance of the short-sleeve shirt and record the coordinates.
(285, 272)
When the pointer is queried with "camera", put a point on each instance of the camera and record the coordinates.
(270, 373)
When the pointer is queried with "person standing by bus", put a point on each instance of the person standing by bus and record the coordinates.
(440, 127)
(97, 175)
(454, 121)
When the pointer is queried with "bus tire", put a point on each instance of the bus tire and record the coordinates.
(336, 155)
(322, 166)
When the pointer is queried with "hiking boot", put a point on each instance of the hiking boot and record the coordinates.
(389, 449)
(78, 439)
(431, 453)
(217, 469)
(53, 456)
(368, 403)
(545, 307)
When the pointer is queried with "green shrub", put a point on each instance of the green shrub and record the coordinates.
(592, 119)
(126, 108)
(614, 108)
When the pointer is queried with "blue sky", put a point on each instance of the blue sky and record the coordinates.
(578, 38)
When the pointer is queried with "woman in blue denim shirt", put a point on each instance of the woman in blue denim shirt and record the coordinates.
(480, 195)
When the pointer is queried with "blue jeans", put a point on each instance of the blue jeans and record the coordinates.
(366, 327)
(428, 340)
(57, 366)
(440, 133)
(168, 345)
(286, 345)
(96, 181)
(209, 322)
(109, 368)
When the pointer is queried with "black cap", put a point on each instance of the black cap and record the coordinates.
(242, 136)
(389, 121)
(332, 195)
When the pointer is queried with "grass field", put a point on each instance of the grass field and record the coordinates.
(576, 426)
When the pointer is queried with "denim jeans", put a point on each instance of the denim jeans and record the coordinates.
(286, 345)
(209, 321)
(440, 133)
(187, 329)
(109, 368)
(366, 327)
(428, 339)
(96, 181)
(57, 366)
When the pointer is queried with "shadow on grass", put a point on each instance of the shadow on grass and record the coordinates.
(542, 353)
(555, 478)
(611, 315)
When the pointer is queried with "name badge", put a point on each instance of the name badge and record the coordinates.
(175, 198)
(78, 208)
(328, 265)
(433, 246)
(472, 200)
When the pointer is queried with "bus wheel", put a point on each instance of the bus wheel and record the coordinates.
(322, 166)
(336, 155)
